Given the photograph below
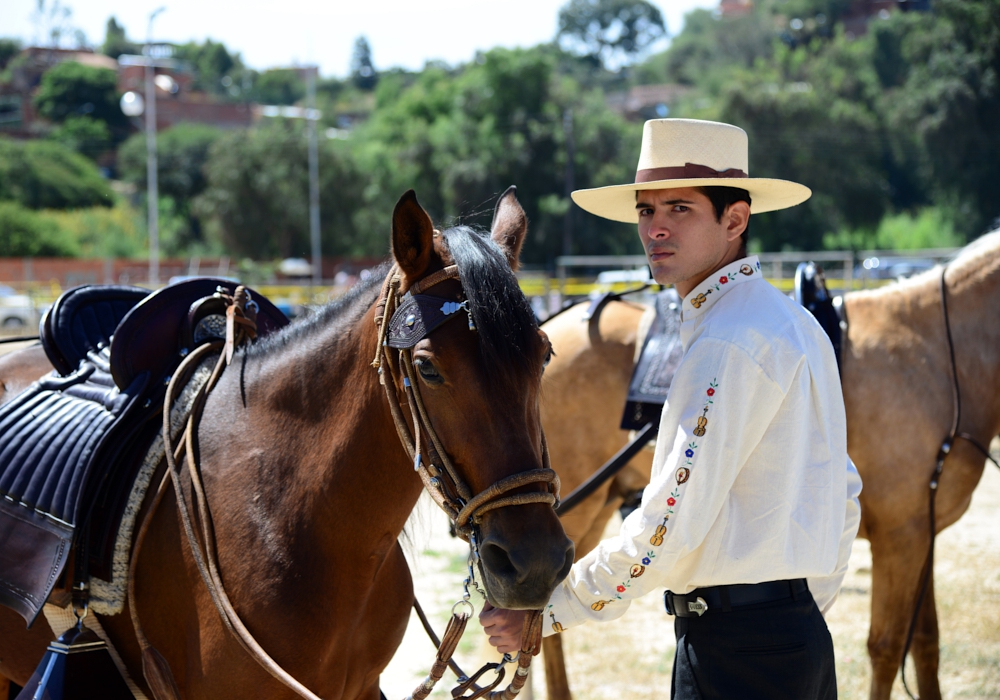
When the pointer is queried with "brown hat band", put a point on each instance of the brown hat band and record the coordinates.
(687, 171)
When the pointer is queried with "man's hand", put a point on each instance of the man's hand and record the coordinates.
(503, 627)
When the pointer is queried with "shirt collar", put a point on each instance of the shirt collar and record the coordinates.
(703, 297)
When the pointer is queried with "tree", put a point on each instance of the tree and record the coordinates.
(279, 86)
(8, 49)
(947, 100)
(71, 89)
(362, 69)
(216, 70)
(26, 233)
(182, 154)
(257, 198)
(115, 41)
(84, 134)
(609, 30)
(461, 138)
(47, 175)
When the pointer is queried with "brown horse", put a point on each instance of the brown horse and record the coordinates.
(897, 382)
(310, 487)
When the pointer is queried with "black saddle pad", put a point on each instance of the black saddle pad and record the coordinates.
(653, 373)
(65, 440)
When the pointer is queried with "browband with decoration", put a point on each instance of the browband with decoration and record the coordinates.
(418, 315)
(685, 172)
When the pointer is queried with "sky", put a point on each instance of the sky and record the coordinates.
(404, 33)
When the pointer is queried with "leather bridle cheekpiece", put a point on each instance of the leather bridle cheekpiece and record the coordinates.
(403, 320)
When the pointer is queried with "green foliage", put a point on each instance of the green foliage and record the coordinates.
(47, 175)
(216, 70)
(461, 140)
(27, 233)
(181, 155)
(928, 228)
(279, 86)
(808, 119)
(8, 49)
(709, 50)
(99, 232)
(609, 31)
(362, 68)
(947, 104)
(72, 89)
(83, 134)
(257, 199)
(115, 41)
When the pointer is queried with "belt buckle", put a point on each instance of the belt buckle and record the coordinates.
(698, 605)
(667, 595)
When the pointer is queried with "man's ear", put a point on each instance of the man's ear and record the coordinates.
(736, 218)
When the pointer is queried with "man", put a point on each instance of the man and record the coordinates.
(752, 506)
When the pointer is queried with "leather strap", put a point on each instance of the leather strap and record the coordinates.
(688, 171)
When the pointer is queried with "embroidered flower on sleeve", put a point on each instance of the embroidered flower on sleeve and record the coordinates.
(723, 279)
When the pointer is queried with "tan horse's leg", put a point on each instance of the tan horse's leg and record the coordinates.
(896, 572)
(4, 688)
(925, 650)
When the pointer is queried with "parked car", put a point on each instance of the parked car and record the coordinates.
(16, 310)
(892, 268)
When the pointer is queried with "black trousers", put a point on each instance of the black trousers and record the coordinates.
(771, 651)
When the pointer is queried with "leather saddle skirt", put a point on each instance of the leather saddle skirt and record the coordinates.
(73, 439)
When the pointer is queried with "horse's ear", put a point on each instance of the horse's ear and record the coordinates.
(412, 237)
(510, 224)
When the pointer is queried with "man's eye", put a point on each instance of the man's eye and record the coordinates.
(645, 212)
(680, 208)
(428, 372)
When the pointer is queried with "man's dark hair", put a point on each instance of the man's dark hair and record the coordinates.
(722, 197)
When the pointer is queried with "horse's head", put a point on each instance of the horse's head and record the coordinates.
(478, 378)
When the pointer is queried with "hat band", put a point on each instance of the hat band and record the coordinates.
(687, 171)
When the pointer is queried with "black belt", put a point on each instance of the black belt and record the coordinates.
(725, 598)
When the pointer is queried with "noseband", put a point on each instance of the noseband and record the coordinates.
(403, 320)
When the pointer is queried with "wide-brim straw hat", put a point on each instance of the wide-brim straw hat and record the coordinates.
(691, 153)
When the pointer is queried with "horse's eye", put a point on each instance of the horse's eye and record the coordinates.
(549, 354)
(428, 372)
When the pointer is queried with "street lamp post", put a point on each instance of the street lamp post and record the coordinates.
(312, 117)
(152, 194)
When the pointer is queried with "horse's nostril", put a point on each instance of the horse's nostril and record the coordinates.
(496, 559)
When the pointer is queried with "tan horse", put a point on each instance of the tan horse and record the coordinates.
(897, 383)
(310, 486)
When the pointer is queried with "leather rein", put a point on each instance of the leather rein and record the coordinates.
(443, 482)
(943, 452)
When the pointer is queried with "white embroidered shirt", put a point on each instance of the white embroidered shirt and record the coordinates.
(751, 481)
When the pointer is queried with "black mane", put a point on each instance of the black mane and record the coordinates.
(506, 325)
(345, 309)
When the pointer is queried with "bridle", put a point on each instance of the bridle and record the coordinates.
(943, 452)
(403, 320)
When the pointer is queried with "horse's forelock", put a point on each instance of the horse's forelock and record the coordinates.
(505, 323)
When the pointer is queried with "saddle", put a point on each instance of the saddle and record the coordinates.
(811, 292)
(71, 443)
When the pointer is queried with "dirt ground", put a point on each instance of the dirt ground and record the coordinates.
(967, 579)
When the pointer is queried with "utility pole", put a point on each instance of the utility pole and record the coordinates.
(312, 116)
(570, 186)
(152, 194)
